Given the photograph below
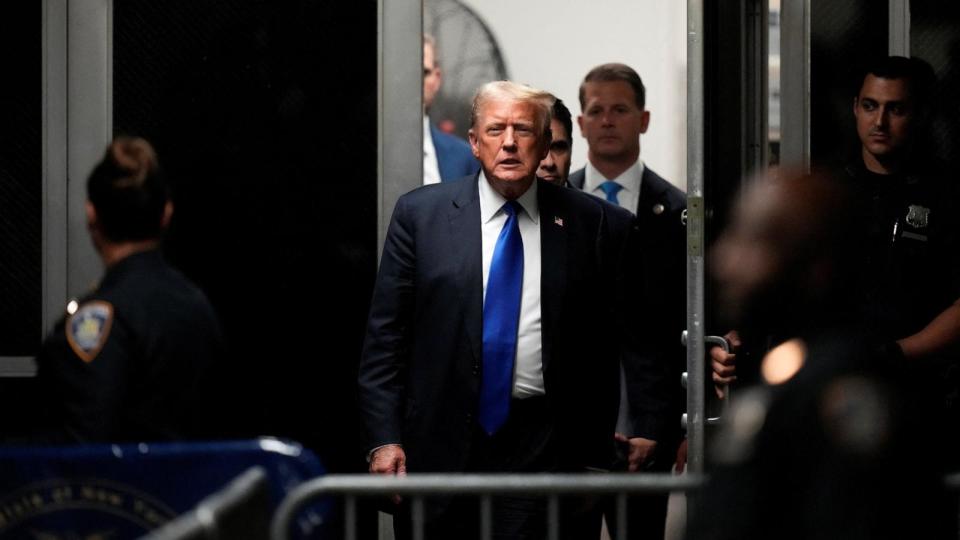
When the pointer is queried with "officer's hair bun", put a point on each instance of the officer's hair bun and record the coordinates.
(134, 158)
(128, 191)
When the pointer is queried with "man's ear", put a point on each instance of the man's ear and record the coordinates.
(474, 143)
(644, 121)
(580, 125)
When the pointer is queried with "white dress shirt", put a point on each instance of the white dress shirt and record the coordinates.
(431, 167)
(528, 370)
(629, 196)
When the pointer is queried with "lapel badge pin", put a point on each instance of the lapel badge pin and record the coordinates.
(657, 209)
(918, 216)
(558, 221)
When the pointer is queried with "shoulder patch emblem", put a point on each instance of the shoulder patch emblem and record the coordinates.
(88, 328)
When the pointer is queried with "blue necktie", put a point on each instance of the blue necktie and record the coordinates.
(501, 316)
(611, 188)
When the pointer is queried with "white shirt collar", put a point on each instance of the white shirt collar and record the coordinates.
(491, 202)
(630, 179)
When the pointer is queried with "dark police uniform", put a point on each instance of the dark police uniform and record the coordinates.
(131, 361)
(911, 272)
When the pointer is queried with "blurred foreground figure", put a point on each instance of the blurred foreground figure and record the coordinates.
(127, 360)
(831, 443)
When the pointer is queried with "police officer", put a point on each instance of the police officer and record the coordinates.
(128, 360)
(912, 288)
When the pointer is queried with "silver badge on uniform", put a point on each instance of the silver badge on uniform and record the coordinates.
(918, 216)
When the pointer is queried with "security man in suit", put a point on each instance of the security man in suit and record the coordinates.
(612, 100)
(127, 361)
(445, 157)
(476, 358)
(555, 168)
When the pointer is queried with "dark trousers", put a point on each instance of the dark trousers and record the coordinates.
(525, 444)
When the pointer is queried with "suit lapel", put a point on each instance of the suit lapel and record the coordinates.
(465, 246)
(554, 224)
(651, 194)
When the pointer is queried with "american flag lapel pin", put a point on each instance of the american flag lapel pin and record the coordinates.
(557, 220)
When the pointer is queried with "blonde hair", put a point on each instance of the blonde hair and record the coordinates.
(511, 91)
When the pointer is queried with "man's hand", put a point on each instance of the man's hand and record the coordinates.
(389, 459)
(640, 450)
(724, 364)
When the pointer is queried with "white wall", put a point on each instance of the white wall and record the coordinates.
(552, 44)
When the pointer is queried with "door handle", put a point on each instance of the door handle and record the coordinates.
(721, 342)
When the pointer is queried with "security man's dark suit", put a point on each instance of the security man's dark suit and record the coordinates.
(661, 320)
(454, 157)
(660, 217)
(420, 370)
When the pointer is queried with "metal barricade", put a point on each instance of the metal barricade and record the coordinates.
(417, 486)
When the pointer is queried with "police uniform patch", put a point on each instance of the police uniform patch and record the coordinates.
(88, 328)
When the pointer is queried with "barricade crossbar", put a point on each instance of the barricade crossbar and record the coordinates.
(483, 485)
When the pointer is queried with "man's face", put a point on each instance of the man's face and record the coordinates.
(431, 76)
(611, 121)
(509, 143)
(885, 116)
(555, 168)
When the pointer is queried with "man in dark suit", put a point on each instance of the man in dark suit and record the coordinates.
(445, 157)
(555, 168)
(476, 357)
(612, 100)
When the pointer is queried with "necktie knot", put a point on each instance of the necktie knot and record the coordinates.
(611, 189)
(511, 208)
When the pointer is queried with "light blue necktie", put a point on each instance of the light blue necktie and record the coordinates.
(501, 317)
(611, 188)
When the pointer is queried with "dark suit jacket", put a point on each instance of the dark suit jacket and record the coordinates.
(454, 157)
(663, 307)
(420, 368)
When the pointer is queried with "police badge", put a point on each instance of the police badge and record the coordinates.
(918, 216)
(88, 329)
